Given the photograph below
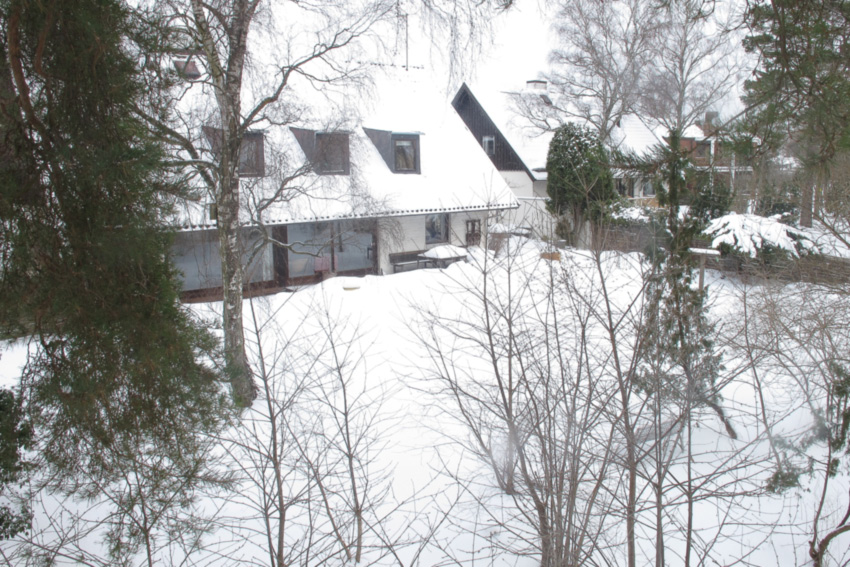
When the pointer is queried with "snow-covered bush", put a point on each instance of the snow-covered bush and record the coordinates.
(578, 170)
(758, 237)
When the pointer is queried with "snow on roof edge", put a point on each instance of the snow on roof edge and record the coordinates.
(375, 215)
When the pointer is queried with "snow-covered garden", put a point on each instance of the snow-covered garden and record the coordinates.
(498, 412)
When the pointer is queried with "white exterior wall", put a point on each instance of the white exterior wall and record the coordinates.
(519, 182)
(539, 189)
(407, 234)
(532, 211)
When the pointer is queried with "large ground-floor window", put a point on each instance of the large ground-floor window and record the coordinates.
(437, 228)
(196, 257)
(338, 246)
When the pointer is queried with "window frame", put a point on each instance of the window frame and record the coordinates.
(445, 227)
(328, 143)
(413, 140)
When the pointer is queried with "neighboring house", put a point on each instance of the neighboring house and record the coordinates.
(517, 151)
(374, 179)
(709, 150)
(632, 136)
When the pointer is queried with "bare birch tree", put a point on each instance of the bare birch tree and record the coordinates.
(246, 55)
(694, 63)
(598, 68)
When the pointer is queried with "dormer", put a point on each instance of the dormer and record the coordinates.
(400, 150)
(328, 152)
(251, 152)
(184, 64)
(187, 69)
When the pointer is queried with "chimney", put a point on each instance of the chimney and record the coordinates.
(708, 126)
(539, 87)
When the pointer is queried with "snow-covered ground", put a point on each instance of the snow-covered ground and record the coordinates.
(362, 388)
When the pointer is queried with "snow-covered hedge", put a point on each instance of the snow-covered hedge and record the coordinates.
(751, 234)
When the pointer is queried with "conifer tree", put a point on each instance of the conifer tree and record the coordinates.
(802, 83)
(579, 177)
(85, 255)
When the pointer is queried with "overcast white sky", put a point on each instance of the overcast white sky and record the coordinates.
(523, 39)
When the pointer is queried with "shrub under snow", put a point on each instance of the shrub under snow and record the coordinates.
(748, 234)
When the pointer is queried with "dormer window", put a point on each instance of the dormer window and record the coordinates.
(406, 154)
(489, 144)
(251, 155)
(187, 68)
(399, 151)
(251, 152)
(332, 153)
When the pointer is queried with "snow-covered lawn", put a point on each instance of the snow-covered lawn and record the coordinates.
(359, 436)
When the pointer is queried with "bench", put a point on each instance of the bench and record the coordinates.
(405, 261)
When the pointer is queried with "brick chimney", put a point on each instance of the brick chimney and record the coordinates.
(709, 126)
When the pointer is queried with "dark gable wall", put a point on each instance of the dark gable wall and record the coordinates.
(476, 119)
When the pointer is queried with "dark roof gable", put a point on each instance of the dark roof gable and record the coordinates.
(479, 123)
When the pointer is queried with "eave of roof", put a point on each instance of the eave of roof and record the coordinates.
(186, 227)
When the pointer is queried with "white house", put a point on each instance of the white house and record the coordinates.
(363, 183)
(515, 149)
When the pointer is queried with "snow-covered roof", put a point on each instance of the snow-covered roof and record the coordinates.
(454, 175)
(529, 143)
(632, 135)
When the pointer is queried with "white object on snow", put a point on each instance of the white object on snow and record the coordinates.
(444, 252)
(748, 233)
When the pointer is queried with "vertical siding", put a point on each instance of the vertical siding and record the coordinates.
(480, 124)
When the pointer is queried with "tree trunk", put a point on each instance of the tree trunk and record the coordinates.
(232, 278)
(226, 78)
(806, 205)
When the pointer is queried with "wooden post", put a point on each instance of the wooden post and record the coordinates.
(703, 253)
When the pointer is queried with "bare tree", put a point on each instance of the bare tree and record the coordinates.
(799, 337)
(536, 406)
(599, 66)
(243, 91)
(694, 63)
(307, 455)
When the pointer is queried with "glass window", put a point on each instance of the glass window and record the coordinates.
(436, 228)
(489, 143)
(405, 155)
(196, 257)
(648, 189)
(353, 246)
(251, 155)
(332, 153)
(251, 152)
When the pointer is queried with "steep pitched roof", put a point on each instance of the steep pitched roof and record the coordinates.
(530, 144)
(454, 174)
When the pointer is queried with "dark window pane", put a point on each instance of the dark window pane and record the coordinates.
(332, 153)
(489, 143)
(405, 155)
(436, 228)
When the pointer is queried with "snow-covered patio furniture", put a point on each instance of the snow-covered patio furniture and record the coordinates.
(442, 256)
